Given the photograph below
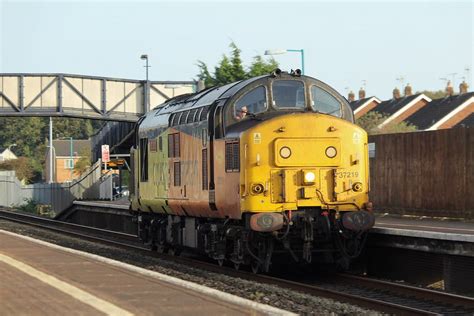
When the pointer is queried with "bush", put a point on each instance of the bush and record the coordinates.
(29, 206)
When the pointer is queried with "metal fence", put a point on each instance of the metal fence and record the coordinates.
(92, 185)
(424, 173)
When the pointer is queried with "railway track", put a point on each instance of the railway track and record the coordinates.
(379, 295)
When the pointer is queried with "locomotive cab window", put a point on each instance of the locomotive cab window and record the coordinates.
(288, 94)
(324, 102)
(253, 102)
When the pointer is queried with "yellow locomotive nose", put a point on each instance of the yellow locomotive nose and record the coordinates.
(305, 167)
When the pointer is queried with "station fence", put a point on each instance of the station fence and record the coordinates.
(424, 173)
(92, 185)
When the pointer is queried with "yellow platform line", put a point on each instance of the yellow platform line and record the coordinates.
(76, 293)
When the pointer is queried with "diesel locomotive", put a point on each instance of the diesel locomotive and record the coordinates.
(269, 166)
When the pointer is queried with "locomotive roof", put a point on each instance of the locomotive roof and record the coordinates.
(205, 97)
(158, 119)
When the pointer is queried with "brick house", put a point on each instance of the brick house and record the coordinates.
(447, 112)
(65, 155)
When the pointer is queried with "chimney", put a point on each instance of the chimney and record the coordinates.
(396, 93)
(463, 87)
(449, 89)
(351, 97)
(408, 91)
(361, 94)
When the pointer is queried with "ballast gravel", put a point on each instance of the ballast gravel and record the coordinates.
(286, 299)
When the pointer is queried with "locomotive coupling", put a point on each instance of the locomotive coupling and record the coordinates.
(266, 222)
(358, 221)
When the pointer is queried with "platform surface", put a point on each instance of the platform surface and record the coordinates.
(37, 279)
(425, 227)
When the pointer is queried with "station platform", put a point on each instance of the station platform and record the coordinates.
(425, 227)
(427, 234)
(40, 278)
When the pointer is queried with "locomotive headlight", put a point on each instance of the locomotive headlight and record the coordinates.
(309, 177)
(331, 152)
(285, 152)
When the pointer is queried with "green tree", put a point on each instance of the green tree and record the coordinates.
(84, 162)
(30, 135)
(370, 123)
(22, 166)
(438, 94)
(231, 69)
(261, 67)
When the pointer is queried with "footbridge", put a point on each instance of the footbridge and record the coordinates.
(80, 96)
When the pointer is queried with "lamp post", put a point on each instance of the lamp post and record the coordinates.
(146, 90)
(284, 51)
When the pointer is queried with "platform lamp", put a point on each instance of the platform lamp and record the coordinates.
(147, 84)
(284, 51)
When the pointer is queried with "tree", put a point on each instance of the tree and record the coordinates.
(22, 166)
(260, 67)
(30, 135)
(371, 121)
(438, 94)
(231, 69)
(84, 161)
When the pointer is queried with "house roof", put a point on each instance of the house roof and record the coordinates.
(362, 102)
(63, 147)
(393, 105)
(468, 121)
(6, 150)
(436, 110)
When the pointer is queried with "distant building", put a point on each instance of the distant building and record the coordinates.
(65, 155)
(399, 108)
(446, 112)
(362, 106)
(7, 154)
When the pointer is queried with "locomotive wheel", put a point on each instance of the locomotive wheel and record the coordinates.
(220, 262)
(237, 266)
(162, 248)
(255, 265)
(174, 251)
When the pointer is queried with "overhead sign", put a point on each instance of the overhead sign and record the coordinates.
(105, 153)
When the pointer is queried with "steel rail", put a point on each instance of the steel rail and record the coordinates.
(366, 302)
(409, 291)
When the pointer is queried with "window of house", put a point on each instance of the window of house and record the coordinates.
(68, 163)
(288, 94)
(324, 102)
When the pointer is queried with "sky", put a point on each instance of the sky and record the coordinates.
(345, 43)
